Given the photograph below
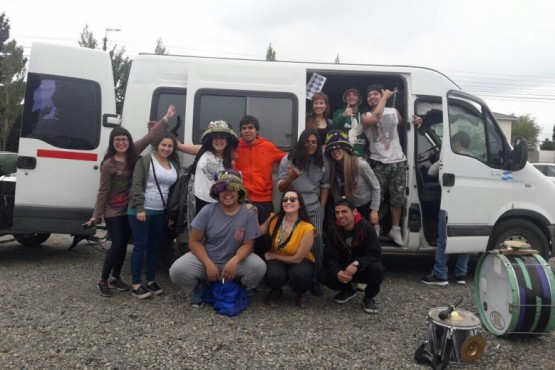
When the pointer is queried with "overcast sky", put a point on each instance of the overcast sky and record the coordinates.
(500, 50)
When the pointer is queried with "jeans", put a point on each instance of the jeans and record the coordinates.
(441, 259)
(146, 238)
(298, 274)
(119, 231)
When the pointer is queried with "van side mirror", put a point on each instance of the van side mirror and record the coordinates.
(519, 155)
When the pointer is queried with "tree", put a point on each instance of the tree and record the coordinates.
(526, 127)
(337, 60)
(270, 53)
(547, 145)
(120, 65)
(160, 49)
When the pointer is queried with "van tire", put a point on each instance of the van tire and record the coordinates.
(31, 240)
(521, 230)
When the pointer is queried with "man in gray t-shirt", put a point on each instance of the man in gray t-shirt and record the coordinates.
(221, 240)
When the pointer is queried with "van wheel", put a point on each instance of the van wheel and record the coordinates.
(521, 230)
(31, 240)
(172, 249)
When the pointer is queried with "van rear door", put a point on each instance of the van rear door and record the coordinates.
(64, 132)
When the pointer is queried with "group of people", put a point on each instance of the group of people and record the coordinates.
(336, 175)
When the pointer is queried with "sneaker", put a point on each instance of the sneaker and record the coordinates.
(369, 305)
(196, 299)
(316, 290)
(250, 292)
(433, 280)
(345, 296)
(377, 229)
(361, 287)
(104, 288)
(303, 300)
(273, 297)
(460, 280)
(118, 285)
(154, 288)
(141, 292)
(395, 235)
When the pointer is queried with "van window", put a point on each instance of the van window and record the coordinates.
(63, 112)
(487, 143)
(161, 100)
(277, 113)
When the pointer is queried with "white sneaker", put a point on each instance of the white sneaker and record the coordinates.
(377, 228)
(395, 234)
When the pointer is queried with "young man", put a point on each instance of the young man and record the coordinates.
(256, 157)
(352, 255)
(386, 154)
(221, 241)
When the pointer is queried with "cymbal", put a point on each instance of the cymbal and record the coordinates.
(473, 348)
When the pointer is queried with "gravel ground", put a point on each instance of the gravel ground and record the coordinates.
(51, 316)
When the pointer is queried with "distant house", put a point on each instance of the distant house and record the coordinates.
(505, 121)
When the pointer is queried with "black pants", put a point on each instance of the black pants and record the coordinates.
(299, 275)
(262, 243)
(120, 232)
(371, 275)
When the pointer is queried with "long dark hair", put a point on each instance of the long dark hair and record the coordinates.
(228, 156)
(174, 157)
(303, 215)
(299, 156)
(131, 153)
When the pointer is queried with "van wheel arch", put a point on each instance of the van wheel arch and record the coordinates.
(522, 230)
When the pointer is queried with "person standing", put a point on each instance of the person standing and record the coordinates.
(221, 241)
(352, 255)
(348, 119)
(152, 178)
(318, 118)
(116, 171)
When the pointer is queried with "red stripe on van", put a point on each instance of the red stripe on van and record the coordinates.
(78, 156)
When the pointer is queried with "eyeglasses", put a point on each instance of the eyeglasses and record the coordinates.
(121, 140)
(289, 199)
(311, 142)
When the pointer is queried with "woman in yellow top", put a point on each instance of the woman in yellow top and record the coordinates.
(289, 258)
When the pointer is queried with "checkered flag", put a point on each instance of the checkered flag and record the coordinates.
(315, 84)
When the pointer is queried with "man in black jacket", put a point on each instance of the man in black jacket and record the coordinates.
(353, 254)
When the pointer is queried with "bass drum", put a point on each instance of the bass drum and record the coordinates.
(515, 293)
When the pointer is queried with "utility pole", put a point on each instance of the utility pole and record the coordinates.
(108, 30)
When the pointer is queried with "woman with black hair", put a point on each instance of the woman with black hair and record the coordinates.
(289, 257)
(306, 171)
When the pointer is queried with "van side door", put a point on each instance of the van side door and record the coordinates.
(64, 132)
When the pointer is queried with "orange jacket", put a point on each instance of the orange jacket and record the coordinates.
(256, 163)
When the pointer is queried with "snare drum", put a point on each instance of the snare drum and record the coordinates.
(515, 293)
(446, 337)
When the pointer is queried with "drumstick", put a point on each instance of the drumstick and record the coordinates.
(445, 313)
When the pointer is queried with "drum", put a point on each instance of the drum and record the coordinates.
(454, 339)
(515, 292)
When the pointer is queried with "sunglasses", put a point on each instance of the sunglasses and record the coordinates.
(289, 199)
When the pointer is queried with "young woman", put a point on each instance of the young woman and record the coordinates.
(289, 258)
(217, 153)
(319, 119)
(352, 176)
(152, 178)
(306, 170)
(111, 202)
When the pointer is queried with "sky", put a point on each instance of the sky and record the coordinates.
(502, 51)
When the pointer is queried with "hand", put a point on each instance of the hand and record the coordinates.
(351, 270)
(230, 269)
(348, 112)
(170, 113)
(293, 172)
(268, 256)
(251, 207)
(141, 216)
(417, 120)
(374, 217)
(91, 222)
(344, 277)
(388, 93)
(212, 272)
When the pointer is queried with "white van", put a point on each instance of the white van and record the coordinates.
(491, 194)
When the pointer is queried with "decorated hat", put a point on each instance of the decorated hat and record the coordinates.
(351, 89)
(220, 127)
(337, 139)
(229, 180)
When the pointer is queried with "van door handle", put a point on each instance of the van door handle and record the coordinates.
(26, 163)
(448, 179)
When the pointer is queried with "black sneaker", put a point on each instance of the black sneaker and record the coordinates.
(154, 288)
(345, 296)
(104, 288)
(316, 290)
(369, 305)
(141, 292)
(433, 280)
(273, 297)
(196, 296)
(460, 280)
(118, 285)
